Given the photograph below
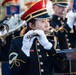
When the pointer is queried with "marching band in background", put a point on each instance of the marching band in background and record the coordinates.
(30, 47)
(66, 35)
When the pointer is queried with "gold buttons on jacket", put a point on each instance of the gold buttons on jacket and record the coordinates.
(42, 70)
(41, 63)
(47, 55)
(38, 50)
(66, 35)
(70, 48)
(40, 56)
(67, 39)
(58, 18)
(62, 23)
(38, 44)
(69, 44)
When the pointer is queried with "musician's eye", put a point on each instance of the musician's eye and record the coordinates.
(43, 21)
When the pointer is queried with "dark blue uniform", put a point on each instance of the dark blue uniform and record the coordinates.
(66, 41)
(39, 62)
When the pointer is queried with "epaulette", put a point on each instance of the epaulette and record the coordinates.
(17, 37)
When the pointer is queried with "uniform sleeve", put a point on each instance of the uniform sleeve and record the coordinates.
(17, 60)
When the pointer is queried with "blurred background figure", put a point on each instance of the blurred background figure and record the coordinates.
(70, 13)
(65, 36)
(70, 4)
(5, 48)
(23, 6)
(49, 7)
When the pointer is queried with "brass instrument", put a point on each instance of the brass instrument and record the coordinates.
(12, 23)
(3, 29)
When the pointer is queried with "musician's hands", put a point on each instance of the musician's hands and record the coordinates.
(70, 18)
(43, 40)
(27, 42)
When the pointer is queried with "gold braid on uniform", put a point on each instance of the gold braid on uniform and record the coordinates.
(62, 29)
(55, 40)
(54, 30)
(14, 60)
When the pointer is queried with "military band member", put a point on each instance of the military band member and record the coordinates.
(30, 53)
(70, 13)
(5, 48)
(65, 35)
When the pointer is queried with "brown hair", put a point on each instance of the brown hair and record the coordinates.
(27, 28)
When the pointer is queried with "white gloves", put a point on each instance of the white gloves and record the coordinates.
(27, 43)
(70, 19)
(43, 40)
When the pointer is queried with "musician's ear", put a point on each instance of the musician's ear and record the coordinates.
(31, 25)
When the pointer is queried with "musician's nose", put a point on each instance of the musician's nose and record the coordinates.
(47, 24)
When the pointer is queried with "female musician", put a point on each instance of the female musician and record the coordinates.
(33, 53)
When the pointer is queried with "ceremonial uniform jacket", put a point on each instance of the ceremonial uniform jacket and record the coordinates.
(38, 63)
(66, 40)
